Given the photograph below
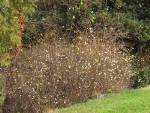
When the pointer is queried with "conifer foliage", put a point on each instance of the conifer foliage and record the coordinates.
(12, 22)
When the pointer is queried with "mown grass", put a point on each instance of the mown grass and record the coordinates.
(131, 101)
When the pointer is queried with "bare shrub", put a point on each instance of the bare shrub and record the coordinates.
(58, 74)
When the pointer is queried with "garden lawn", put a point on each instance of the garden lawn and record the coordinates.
(131, 101)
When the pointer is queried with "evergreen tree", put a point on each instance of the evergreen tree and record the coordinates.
(11, 20)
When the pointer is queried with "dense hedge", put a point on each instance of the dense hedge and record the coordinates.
(121, 20)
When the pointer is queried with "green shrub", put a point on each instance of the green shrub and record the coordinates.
(141, 78)
(119, 17)
(141, 66)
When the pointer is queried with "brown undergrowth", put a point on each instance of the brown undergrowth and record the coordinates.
(59, 74)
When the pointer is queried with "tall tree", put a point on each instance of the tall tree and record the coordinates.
(12, 17)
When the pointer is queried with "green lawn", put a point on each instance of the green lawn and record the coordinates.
(131, 101)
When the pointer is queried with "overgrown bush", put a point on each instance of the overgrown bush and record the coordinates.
(72, 73)
(58, 74)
